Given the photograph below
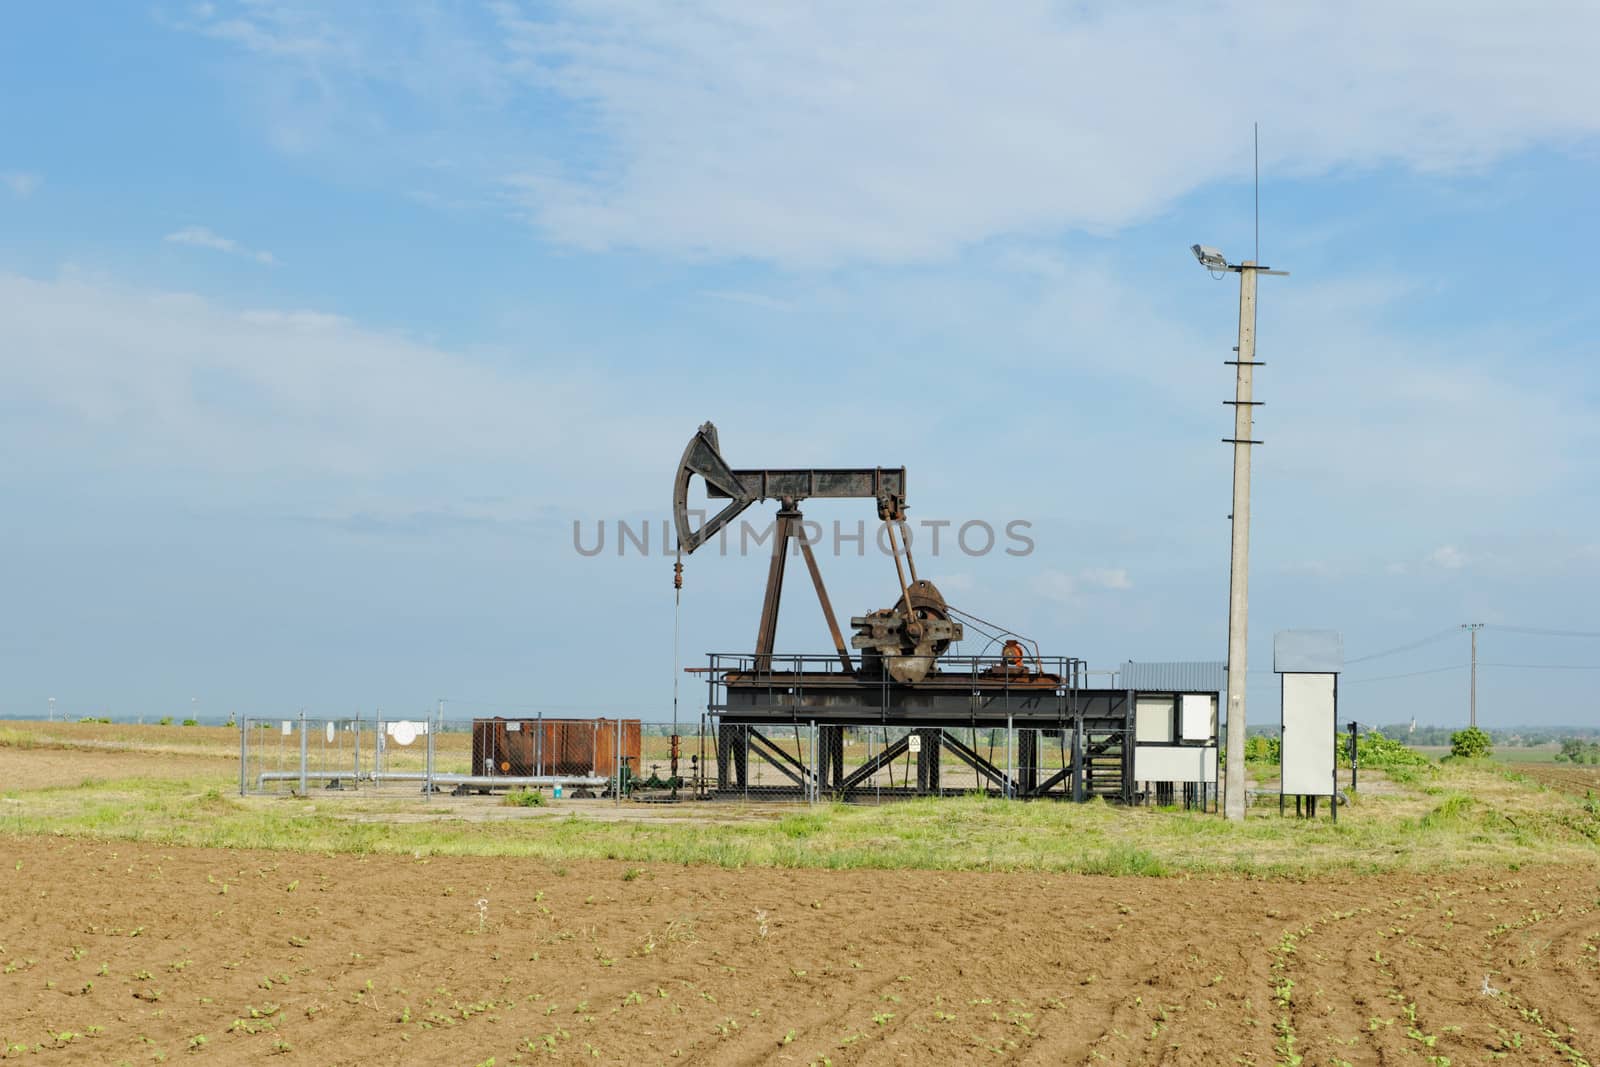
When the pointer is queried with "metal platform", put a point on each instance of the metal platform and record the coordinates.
(1061, 738)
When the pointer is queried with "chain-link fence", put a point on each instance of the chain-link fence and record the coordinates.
(713, 759)
(562, 758)
(300, 754)
(303, 753)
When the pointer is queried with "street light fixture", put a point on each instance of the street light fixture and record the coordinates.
(1239, 561)
(1210, 258)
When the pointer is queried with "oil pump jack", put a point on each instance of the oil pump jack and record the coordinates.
(903, 642)
(904, 679)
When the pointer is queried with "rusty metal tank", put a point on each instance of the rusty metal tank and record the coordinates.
(517, 748)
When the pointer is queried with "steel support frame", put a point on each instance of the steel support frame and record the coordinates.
(743, 702)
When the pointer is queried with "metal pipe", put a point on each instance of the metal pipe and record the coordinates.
(481, 780)
(496, 779)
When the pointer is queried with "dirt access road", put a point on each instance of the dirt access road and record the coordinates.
(115, 952)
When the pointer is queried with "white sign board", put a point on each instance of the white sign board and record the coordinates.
(288, 727)
(1308, 741)
(1152, 720)
(914, 743)
(1197, 716)
(1174, 763)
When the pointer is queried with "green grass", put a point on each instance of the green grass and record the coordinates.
(1447, 817)
(523, 798)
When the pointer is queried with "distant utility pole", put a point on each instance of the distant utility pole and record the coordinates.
(1473, 628)
(1239, 559)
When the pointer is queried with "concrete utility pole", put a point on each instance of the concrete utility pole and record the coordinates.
(1472, 712)
(1239, 558)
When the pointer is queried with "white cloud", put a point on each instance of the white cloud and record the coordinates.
(1106, 578)
(118, 376)
(836, 131)
(1067, 588)
(22, 184)
(1448, 557)
(201, 237)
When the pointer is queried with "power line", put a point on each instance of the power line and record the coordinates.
(1545, 666)
(1540, 632)
(1408, 674)
(1463, 666)
(1536, 631)
(1430, 639)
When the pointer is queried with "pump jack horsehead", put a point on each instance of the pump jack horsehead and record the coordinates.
(902, 642)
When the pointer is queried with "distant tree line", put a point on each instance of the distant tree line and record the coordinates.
(1577, 750)
(1513, 737)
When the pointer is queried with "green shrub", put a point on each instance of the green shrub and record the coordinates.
(166, 720)
(524, 798)
(191, 722)
(1471, 743)
(1261, 748)
(1375, 749)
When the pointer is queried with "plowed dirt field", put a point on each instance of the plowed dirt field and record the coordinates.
(1565, 776)
(118, 951)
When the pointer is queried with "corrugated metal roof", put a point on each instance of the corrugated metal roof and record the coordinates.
(1191, 677)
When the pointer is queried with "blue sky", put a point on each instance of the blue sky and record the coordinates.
(321, 326)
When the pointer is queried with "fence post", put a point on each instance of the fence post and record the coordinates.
(1011, 743)
(877, 780)
(427, 778)
(356, 729)
(302, 752)
(816, 765)
(244, 753)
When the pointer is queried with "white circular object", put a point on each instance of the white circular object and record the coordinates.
(404, 733)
